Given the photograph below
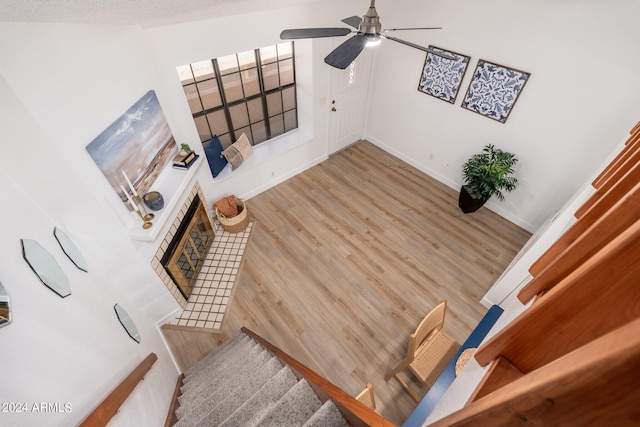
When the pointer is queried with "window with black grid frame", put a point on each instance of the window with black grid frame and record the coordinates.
(251, 92)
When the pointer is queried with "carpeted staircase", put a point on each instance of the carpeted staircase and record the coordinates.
(242, 384)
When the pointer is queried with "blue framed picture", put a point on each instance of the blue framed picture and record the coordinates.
(441, 77)
(494, 89)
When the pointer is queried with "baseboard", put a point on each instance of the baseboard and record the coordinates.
(495, 207)
(281, 178)
(169, 317)
(492, 206)
(422, 168)
(191, 329)
(161, 324)
(486, 302)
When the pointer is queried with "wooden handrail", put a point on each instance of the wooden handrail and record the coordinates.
(339, 396)
(110, 405)
(596, 384)
(172, 417)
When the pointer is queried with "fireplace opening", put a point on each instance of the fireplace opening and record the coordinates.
(188, 248)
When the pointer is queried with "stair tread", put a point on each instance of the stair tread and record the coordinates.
(223, 382)
(241, 357)
(327, 416)
(207, 365)
(261, 401)
(294, 408)
(242, 384)
(218, 352)
(216, 409)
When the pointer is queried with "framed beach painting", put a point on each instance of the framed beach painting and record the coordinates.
(494, 90)
(441, 77)
(135, 148)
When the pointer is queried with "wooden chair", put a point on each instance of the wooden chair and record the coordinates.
(429, 352)
(367, 397)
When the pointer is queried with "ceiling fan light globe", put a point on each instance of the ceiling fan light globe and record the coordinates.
(373, 41)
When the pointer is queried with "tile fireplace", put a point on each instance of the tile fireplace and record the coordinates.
(186, 252)
(211, 293)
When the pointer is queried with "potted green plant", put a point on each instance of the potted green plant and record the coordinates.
(486, 174)
(185, 149)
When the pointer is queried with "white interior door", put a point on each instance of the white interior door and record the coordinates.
(348, 101)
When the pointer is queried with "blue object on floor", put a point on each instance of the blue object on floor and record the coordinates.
(435, 393)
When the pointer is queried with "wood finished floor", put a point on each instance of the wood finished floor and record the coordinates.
(347, 257)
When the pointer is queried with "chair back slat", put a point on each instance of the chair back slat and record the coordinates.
(367, 397)
(431, 323)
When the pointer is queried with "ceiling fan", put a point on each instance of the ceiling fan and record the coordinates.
(369, 33)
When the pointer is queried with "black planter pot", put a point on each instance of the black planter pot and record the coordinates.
(467, 203)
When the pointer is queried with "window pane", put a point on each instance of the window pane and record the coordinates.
(232, 87)
(203, 128)
(247, 59)
(185, 75)
(277, 126)
(210, 94)
(202, 70)
(256, 113)
(289, 98)
(239, 116)
(218, 122)
(230, 90)
(259, 132)
(274, 104)
(193, 98)
(286, 72)
(290, 120)
(246, 131)
(225, 140)
(250, 82)
(228, 64)
(270, 75)
(268, 54)
(285, 50)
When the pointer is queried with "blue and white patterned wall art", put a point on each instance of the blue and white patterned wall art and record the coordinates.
(441, 77)
(494, 90)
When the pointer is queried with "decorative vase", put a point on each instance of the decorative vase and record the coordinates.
(153, 200)
(467, 203)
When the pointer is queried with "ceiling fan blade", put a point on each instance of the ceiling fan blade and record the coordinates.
(353, 21)
(310, 33)
(347, 52)
(417, 46)
(415, 28)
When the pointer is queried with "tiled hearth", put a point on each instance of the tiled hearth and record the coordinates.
(212, 292)
(213, 289)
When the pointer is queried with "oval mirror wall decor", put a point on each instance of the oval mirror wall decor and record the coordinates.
(70, 249)
(45, 266)
(127, 323)
(5, 307)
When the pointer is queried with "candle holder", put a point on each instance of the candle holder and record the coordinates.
(147, 216)
(146, 223)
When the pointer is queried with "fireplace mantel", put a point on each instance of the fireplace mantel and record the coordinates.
(172, 184)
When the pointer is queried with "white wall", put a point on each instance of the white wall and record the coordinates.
(73, 350)
(61, 86)
(505, 291)
(74, 81)
(280, 159)
(583, 89)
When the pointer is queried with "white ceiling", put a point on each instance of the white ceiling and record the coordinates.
(146, 13)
